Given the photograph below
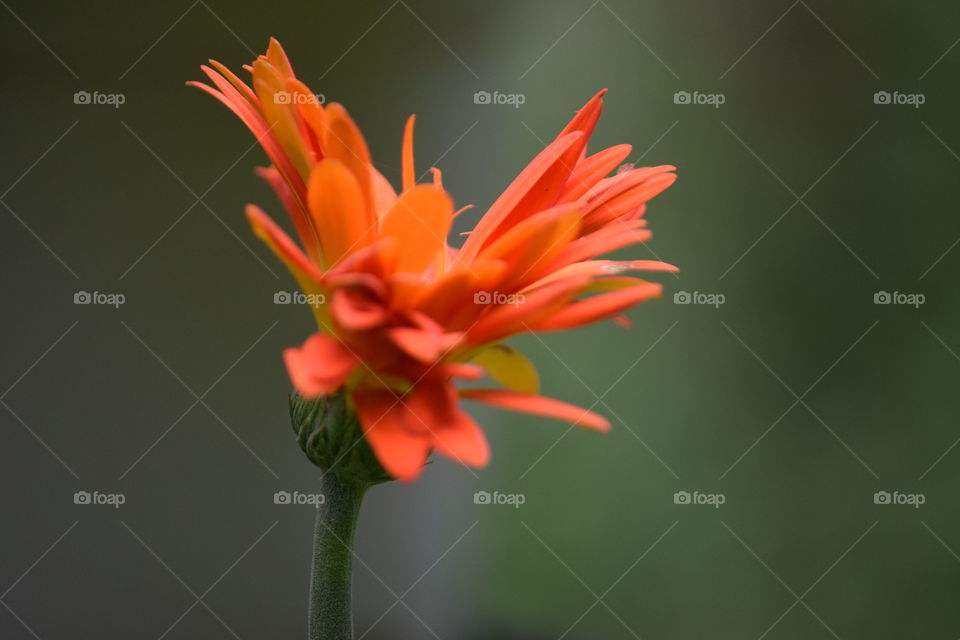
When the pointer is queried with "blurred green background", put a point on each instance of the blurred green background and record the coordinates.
(801, 197)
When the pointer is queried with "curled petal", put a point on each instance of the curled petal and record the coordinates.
(320, 366)
(356, 311)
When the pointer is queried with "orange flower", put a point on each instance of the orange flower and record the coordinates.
(401, 313)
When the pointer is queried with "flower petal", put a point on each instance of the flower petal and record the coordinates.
(320, 366)
(598, 307)
(524, 310)
(338, 210)
(306, 272)
(509, 367)
(538, 405)
(355, 310)
(401, 452)
(420, 221)
(463, 440)
(408, 171)
(344, 142)
(592, 169)
(533, 244)
(536, 188)
(296, 210)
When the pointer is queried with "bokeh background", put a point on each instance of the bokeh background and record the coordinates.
(800, 199)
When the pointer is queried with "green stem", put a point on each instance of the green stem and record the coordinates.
(330, 616)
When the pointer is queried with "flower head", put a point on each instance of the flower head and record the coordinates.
(402, 313)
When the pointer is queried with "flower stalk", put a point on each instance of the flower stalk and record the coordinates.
(330, 615)
(329, 434)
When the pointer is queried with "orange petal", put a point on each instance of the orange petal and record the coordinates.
(420, 221)
(538, 405)
(401, 452)
(598, 268)
(616, 235)
(320, 366)
(450, 299)
(340, 215)
(356, 311)
(586, 118)
(534, 243)
(524, 310)
(383, 193)
(618, 202)
(239, 84)
(430, 406)
(463, 440)
(408, 170)
(296, 210)
(463, 370)
(310, 111)
(591, 170)
(280, 114)
(306, 273)
(343, 141)
(437, 177)
(251, 116)
(278, 58)
(426, 345)
(600, 306)
(536, 188)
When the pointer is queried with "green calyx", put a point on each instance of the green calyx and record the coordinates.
(329, 433)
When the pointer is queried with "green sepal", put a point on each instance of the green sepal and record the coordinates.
(329, 433)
